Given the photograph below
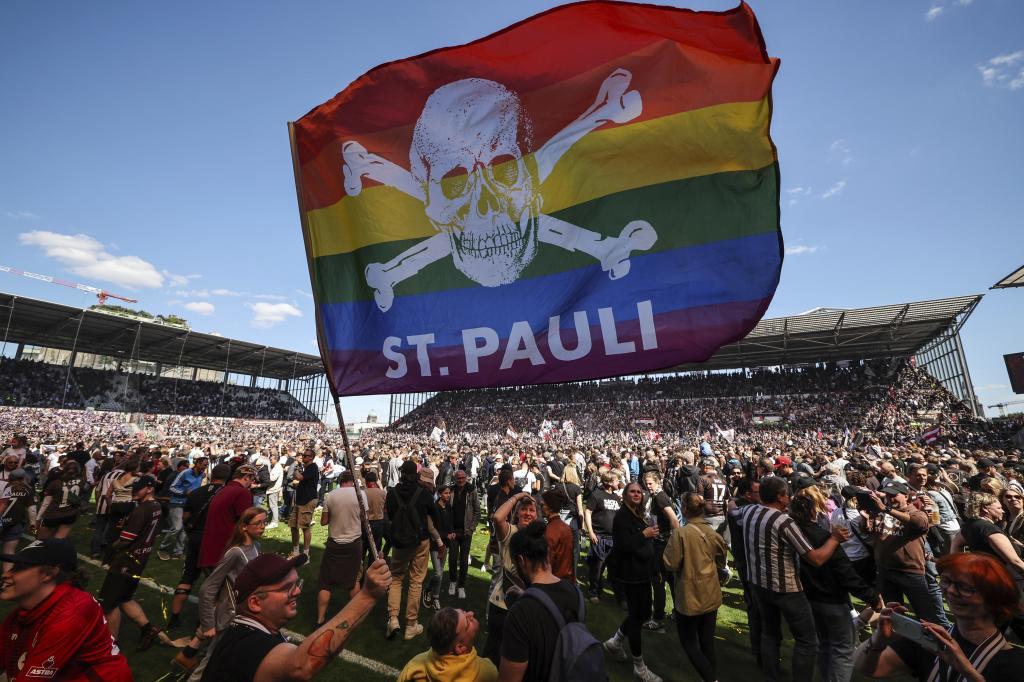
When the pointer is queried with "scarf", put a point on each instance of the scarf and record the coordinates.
(981, 657)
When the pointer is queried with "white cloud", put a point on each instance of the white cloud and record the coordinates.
(799, 191)
(933, 12)
(225, 292)
(87, 257)
(200, 307)
(268, 314)
(178, 280)
(841, 149)
(270, 297)
(304, 293)
(834, 189)
(800, 250)
(22, 215)
(987, 388)
(1004, 71)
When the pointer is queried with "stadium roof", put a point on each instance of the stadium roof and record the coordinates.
(1014, 279)
(830, 334)
(40, 323)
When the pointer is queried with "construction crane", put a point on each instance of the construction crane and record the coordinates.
(101, 295)
(1002, 406)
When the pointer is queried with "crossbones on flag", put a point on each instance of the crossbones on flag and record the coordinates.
(591, 192)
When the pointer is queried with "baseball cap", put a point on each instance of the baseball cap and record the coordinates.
(804, 482)
(895, 488)
(985, 463)
(782, 460)
(244, 470)
(221, 472)
(48, 552)
(266, 569)
(145, 481)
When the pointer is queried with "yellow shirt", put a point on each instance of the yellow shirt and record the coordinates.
(429, 667)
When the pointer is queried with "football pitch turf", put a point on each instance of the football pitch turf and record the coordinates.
(662, 652)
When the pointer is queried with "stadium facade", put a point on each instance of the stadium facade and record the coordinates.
(73, 338)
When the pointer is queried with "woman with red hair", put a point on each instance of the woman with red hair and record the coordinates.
(983, 598)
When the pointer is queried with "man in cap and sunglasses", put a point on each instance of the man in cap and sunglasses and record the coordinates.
(267, 592)
(57, 630)
(129, 555)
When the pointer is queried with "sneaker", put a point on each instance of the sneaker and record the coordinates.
(392, 629)
(595, 600)
(183, 662)
(462, 593)
(177, 557)
(149, 636)
(271, 526)
(655, 626)
(616, 647)
(413, 631)
(451, 589)
(426, 599)
(162, 555)
(436, 604)
(644, 674)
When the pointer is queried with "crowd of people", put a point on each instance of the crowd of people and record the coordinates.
(884, 552)
(41, 384)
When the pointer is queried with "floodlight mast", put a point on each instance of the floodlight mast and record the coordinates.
(101, 295)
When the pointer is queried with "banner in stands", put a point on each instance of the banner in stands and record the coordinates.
(591, 192)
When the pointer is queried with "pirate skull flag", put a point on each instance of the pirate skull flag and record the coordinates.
(591, 192)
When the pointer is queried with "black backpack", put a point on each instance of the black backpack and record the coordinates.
(403, 529)
(579, 656)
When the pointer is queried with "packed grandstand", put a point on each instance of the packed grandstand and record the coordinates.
(121, 464)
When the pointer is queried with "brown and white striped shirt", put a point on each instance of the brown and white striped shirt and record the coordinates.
(772, 542)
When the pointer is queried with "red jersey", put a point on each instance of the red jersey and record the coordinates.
(226, 508)
(63, 638)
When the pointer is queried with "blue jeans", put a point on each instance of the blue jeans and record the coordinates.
(836, 640)
(894, 585)
(794, 607)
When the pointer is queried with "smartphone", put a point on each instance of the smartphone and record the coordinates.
(911, 629)
(867, 503)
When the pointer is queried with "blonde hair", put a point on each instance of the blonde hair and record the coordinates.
(570, 475)
(992, 486)
(816, 496)
(978, 501)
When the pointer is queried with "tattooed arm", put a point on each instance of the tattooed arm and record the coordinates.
(303, 662)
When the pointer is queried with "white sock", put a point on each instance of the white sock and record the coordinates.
(638, 663)
(295, 549)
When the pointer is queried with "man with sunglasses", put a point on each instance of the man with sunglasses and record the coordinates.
(267, 589)
(225, 510)
(57, 630)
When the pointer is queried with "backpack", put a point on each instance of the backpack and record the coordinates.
(403, 529)
(578, 654)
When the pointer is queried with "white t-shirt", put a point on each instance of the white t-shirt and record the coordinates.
(343, 510)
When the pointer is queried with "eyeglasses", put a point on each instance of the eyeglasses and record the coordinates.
(288, 589)
(1012, 497)
(261, 522)
(963, 588)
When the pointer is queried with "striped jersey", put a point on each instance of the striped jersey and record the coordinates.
(772, 542)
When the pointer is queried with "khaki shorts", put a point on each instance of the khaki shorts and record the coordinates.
(302, 515)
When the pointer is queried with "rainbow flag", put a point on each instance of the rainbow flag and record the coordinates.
(591, 192)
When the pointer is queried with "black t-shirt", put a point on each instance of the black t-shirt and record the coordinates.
(569, 511)
(305, 491)
(658, 503)
(531, 632)
(239, 653)
(135, 541)
(976, 533)
(197, 503)
(80, 456)
(602, 506)
(1005, 666)
(64, 496)
(556, 467)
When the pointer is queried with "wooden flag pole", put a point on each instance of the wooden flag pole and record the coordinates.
(349, 459)
(351, 464)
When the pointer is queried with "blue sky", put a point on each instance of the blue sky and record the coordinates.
(144, 150)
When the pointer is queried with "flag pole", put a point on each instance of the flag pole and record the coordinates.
(349, 459)
(351, 464)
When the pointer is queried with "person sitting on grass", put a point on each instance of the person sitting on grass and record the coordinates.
(452, 655)
(253, 649)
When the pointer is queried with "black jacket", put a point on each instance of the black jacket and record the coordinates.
(632, 553)
(835, 581)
